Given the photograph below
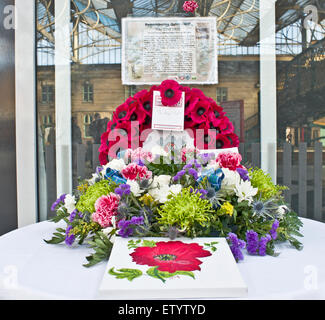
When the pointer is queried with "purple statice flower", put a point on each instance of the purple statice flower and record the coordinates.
(123, 189)
(273, 231)
(69, 238)
(179, 175)
(124, 226)
(57, 201)
(263, 243)
(206, 157)
(191, 163)
(252, 241)
(236, 245)
(73, 215)
(99, 170)
(243, 173)
(193, 173)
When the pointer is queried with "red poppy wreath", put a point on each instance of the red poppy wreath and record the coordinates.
(201, 112)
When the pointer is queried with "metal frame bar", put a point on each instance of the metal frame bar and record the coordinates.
(63, 97)
(268, 88)
(25, 63)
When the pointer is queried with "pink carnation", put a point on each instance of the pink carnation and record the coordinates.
(230, 160)
(133, 171)
(106, 209)
(190, 6)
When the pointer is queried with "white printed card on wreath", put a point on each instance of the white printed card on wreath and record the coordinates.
(167, 117)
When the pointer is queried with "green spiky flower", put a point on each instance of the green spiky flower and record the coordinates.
(87, 201)
(186, 211)
(263, 181)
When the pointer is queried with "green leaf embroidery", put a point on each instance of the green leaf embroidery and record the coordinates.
(211, 246)
(163, 275)
(148, 243)
(125, 273)
(133, 244)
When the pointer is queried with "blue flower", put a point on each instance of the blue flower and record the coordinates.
(214, 177)
(115, 176)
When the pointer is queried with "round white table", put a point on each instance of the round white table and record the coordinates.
(32, 269)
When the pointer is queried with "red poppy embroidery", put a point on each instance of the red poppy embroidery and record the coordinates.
(171, 256)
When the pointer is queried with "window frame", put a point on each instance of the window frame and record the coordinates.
(26, 102)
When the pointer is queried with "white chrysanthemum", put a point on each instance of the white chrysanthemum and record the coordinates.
(231, 179)
(92, 181)
(163, 180)
(134, 187)
(115, 164)
(70, 203)
(108, 230)
(245, 191)
(159, 150)
(282, 210)
(175, 189)
(162, 193)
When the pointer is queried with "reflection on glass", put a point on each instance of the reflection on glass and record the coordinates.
(96, 88)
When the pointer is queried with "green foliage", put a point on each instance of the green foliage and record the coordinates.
(82, 229)
(263, 181)
(164, 168)
(87, 200)
(288, 228)
(186, 211)
(163, 275)
(58, 237)
(126, 273)
(102, 245)
(61, 214)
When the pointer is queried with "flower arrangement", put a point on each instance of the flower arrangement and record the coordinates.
(201, 113)
(183, 193)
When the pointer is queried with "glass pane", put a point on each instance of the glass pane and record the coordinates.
(300, 105)
(96, 86)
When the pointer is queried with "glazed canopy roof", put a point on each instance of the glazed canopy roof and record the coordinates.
(237, 19)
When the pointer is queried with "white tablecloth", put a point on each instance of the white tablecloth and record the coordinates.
(32, 269)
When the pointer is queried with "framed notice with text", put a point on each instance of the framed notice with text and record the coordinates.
(182, 49)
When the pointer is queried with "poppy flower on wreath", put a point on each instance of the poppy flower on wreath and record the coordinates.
(145, 99)
(200, 112)
(171, 256)
(233, 140)
(122, 113)
(170, 92)
(191, 100)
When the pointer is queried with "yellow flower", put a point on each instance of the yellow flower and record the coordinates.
(226, 208)
(146, 199)
(83, 188)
